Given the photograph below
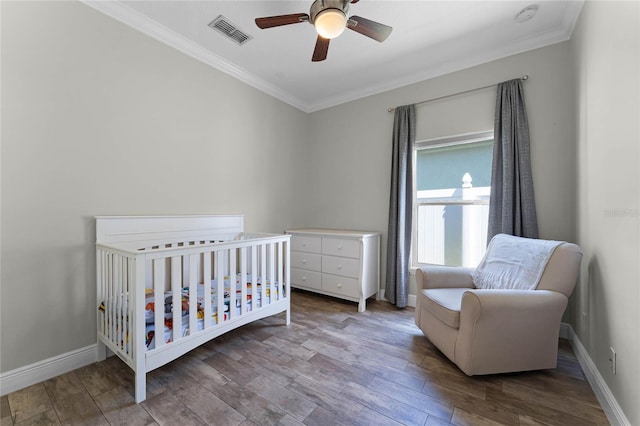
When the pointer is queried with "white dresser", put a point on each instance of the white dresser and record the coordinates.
(337, 263)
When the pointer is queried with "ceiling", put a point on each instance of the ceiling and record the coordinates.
(429, 38)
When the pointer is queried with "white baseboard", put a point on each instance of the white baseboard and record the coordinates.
(565, 331)
(28, 375)
(411, 299)
(609, 404)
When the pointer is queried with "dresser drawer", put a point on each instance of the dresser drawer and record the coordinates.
(344, 266)
(310, 261)
(306, 243)
(305, 278)
(341, 247)
(341, 285)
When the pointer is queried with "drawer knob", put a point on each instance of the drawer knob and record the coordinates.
(339, 285)
(304, 278)
(339, 266)
(304, 260)
(339, 247)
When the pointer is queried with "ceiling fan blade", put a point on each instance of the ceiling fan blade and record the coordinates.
(321, 49)
(369, 28)
(277, 21)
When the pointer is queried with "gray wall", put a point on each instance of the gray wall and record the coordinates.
(98, 119)
(606, 48)
(348, 177)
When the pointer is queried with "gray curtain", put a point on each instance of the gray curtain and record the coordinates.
(400, 206)
(512, 208)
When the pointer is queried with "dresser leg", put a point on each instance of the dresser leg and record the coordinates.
(362, 305)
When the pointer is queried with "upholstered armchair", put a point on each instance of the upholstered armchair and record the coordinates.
(501, 327)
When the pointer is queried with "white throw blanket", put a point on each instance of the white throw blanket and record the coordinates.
(513, 263)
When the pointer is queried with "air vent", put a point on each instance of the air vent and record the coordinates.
(225, 27)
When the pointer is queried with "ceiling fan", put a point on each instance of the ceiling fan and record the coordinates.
(329, 17)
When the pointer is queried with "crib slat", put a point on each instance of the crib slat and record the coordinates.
(158, 300)
(125, 303)
(107, 295)
(272, 272)
(130, 305)
(254, 277)
(243, 280)
(263, 274)
(112, 307)
(220, 285)
(232, 282)
(280, 270)
(206, 283)
(193, 294)
(176, 291)
(122, 312)
(122, 337)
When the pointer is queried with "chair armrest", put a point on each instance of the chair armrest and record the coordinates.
(434, 276)
(477, 301)
(509, 327)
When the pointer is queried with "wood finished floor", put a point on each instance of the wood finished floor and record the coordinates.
(332, 366)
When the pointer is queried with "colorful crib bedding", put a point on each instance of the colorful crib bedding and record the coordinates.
(150, 333)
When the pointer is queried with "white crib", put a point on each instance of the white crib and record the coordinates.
(145, 264)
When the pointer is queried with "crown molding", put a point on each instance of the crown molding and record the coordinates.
(142, 23)
(526, 44)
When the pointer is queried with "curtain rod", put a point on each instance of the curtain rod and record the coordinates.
(523, 78)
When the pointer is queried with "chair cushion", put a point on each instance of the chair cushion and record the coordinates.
(444, 304)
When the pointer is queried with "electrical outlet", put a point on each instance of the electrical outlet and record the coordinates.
(612, 360)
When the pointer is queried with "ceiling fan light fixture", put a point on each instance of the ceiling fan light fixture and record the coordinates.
(330, 23)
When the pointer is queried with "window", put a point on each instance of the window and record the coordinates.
(452, 188)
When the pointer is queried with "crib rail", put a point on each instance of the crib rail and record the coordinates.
(168, 298)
